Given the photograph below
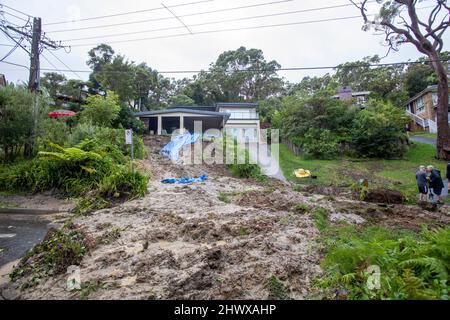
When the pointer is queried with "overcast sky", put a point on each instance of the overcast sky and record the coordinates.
(303, 45)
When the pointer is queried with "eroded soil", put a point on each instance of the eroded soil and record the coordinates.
(220, 239)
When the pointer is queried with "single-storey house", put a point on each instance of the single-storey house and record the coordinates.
(422, 110)
(233, 117)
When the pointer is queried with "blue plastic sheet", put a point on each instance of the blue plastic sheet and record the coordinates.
(185, 180)
(172, 149)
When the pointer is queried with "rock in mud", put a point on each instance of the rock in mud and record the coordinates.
(428, 206)
(384, 196)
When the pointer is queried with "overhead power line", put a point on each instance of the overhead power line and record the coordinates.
(14, 64)
(221, 30)
(64, 64)
(49, 62)
(213, 22)
(15, 16)
(15, 10)
(127, 13)
(378, 65)
(172, 17)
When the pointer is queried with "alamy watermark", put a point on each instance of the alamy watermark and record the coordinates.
(239, 145)
(73, 278)
(373, 277)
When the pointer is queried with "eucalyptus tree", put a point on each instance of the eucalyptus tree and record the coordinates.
(400, 23)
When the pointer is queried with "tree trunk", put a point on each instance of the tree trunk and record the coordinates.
(443, 134)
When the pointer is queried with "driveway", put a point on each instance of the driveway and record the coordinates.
(269, 164)
(423, 140)
(19, 233)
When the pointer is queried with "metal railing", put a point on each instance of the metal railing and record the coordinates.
(420, 121)
(244, 115)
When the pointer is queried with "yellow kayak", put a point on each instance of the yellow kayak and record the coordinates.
(302, 173)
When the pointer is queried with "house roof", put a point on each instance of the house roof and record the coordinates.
(200, 108)
(421, 93)
(183, 110)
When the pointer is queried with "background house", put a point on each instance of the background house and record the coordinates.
(359, 97)
(422, 110)
(234, 116)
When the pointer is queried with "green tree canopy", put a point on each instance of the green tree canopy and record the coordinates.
(101, 111)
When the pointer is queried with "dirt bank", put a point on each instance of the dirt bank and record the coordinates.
(220, 239)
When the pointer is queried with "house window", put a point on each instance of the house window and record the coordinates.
(420, 105)
(435, 98)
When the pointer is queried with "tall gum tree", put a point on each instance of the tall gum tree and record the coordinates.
(400, 23)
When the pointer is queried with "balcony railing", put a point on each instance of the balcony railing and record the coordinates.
(244, 115)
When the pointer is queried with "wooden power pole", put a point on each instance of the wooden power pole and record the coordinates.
(37, 44)
(33, 83)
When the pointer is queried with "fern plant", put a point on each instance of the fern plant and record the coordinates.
(411, 266)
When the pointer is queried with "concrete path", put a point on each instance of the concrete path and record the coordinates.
(269, 164)
(426, 140)
(19, 233)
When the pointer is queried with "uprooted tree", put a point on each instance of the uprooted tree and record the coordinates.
(399, 21)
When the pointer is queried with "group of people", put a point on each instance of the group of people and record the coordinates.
(429, 182)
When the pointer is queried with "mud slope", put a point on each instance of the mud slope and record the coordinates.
(182, 242)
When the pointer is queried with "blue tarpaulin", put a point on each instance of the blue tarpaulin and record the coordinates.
(172, 149)
(185, 180)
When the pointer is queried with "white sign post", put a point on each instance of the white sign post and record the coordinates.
(129, 140)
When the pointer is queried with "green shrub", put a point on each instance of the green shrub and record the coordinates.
(127, 120)
(412, 266)
(101, 111)
(244, 170)
(379, 131)
(17, 120)
(124, 183)
(55, 130)
(108, 139)
(74, 171)
(321, 144)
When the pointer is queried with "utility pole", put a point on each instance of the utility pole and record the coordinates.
(38, 42)
(33, 83)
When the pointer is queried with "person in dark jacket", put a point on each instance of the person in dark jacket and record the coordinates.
(435, 181)
(422, 183)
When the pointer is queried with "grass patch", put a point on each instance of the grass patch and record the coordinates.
(276, 288)
(111, 236)
(244, 232)
(302, 208)
(393, 174)
(320, 217)
(87, 288)
(224, 197)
